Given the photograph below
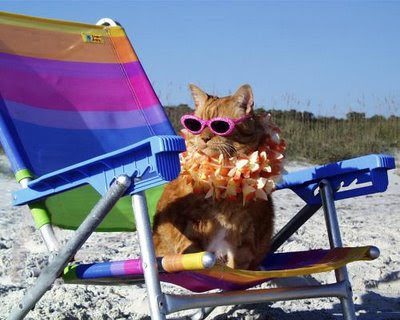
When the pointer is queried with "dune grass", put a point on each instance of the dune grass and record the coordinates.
(326, 139)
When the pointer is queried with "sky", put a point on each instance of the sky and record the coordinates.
(324, 57)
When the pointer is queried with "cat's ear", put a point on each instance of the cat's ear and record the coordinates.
(244, 97)
(199, 96)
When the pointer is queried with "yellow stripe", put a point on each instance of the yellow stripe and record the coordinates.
(193, 261)
(246, 276)
(183, 262)
(58, 25)
(116, 31)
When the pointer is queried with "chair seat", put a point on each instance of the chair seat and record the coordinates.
(275, 265)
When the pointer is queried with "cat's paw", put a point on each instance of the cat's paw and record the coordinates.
(221, 258)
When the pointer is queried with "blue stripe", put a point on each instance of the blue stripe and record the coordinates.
(50, 149)
(10, 141)
(85, 120)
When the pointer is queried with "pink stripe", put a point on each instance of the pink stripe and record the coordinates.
(72, 93)
(117, 268)
(87, 70)
(133, 267)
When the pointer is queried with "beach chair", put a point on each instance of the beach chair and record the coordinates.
(85, 133)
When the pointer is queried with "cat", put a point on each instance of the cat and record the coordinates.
(186, 222)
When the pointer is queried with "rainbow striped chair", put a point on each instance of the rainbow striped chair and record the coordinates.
(85, 133)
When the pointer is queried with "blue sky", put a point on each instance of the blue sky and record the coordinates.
(325, 57)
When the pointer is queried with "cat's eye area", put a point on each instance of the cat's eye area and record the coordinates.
(192, 124)
(220, 126)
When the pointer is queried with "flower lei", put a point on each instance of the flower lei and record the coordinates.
(250, 177)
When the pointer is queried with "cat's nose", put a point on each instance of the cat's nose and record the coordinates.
(206, 135)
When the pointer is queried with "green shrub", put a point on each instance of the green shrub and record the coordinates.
(325, 139)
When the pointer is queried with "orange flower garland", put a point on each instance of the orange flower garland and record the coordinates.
(250, 177)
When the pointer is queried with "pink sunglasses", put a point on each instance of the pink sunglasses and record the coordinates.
(220, 126)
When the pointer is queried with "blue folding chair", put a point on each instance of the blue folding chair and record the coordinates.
(80, 122)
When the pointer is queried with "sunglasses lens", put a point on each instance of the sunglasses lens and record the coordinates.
(192, 124)
(220, 126)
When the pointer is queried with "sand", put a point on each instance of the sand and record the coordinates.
(366, 220)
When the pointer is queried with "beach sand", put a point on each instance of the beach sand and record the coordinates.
(365, 220)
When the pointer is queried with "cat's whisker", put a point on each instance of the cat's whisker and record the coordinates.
(233, 149)
(221, 148)
(227, 150)
(230, 150)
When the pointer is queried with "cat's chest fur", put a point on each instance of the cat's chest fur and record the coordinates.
(186, 222)
(218, 227)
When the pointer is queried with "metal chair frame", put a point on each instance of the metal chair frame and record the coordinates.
(162, 304)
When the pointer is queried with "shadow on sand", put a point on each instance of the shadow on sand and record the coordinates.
(374, 307)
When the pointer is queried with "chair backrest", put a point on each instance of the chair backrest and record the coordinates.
(70, 92)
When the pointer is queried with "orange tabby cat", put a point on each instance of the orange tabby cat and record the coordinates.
(186, 222)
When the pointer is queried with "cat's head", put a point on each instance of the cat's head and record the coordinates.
(246, 136)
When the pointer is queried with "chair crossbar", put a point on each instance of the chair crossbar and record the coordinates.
(184, 302)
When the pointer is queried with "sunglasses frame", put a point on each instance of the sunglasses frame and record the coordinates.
(207, 123)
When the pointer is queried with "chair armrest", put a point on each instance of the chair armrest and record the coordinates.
(150, 162)
(349, 178)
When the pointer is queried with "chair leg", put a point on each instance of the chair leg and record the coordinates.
(49, 238)
(46, 229)
(56, 266)
(335, 241)
(155, 296)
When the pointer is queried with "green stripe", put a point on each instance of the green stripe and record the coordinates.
(69, 209)
(39, 214)
(23, 174)
(70, 273)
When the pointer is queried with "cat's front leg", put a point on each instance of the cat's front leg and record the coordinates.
(222, 249)
(168, 239)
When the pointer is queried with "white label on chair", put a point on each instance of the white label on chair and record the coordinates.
(354, 185)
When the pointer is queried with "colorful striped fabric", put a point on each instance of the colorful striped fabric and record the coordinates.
(68, 89)
(134, 267)
(277, 265)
